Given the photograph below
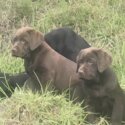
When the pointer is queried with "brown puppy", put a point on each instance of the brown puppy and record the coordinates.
(48, 65)
(103, 93)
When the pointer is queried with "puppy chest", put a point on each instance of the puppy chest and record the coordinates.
(95, 91)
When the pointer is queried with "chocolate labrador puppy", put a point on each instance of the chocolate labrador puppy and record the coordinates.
(103, 94)
(66, 42)
(44, 64)
(63, 40)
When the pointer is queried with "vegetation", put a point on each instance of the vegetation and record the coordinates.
(26, 108)
(100, 22)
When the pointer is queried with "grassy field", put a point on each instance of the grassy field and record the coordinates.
(100, 22)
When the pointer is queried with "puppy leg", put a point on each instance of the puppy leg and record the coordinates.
(117, 113)
(76, 93)
(30, 84)
(92, 116)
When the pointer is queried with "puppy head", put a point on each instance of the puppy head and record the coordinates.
(91, 62)
(26, 39)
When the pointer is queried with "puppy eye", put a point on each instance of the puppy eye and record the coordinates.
(23, 42)
(90, 63)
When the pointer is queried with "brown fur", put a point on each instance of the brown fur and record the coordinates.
(103, 93)
(48, 65)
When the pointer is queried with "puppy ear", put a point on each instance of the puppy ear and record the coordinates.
(104, 60)
(36, 39)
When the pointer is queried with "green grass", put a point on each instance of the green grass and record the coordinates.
(27, 108)
(100, 22)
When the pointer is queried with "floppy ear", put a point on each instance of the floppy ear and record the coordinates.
(36, 39)
(104, 60)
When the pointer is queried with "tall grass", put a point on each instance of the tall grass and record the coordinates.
(26, 108)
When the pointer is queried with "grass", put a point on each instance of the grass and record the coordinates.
(35, 109)
(101, 23)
